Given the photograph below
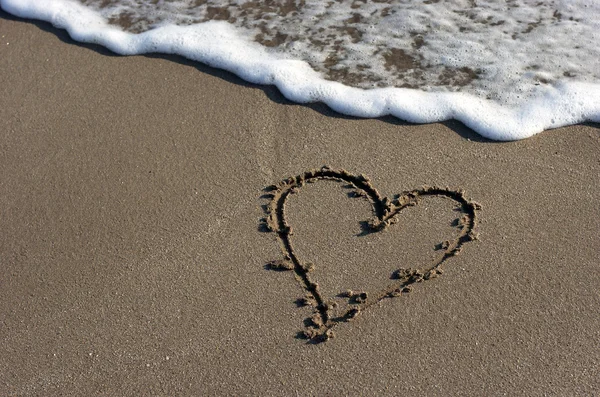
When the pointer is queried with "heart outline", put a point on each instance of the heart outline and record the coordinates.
(319, 326)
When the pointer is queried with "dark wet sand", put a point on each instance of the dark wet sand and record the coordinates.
(132, 258)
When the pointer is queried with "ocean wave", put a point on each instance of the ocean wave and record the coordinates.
(507, 72)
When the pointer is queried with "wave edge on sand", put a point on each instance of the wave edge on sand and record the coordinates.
(217, 44)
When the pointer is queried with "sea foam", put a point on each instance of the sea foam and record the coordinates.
(548, 91)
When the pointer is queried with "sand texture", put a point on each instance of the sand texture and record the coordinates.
(143, 251)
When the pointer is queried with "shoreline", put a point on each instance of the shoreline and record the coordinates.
(298, 82)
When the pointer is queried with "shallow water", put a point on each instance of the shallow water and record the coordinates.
(507, 69)
(499, 50)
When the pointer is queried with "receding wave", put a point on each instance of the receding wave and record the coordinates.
(506, 69)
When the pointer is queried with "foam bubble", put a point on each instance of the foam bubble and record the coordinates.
(538, 99)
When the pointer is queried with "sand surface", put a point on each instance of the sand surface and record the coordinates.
(132, 255)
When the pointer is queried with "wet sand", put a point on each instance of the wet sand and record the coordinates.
(133, 246)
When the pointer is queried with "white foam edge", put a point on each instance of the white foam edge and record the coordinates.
(217, 44)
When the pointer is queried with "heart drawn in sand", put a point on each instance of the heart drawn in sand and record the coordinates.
(319, 325)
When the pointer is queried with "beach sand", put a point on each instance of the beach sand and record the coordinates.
(133, 257)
